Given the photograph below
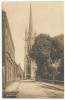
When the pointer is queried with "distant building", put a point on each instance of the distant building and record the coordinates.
(9, 66)
(20, 73)
(29, 65)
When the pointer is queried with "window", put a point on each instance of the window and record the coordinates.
(6, 31)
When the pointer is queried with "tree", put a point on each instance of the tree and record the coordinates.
(58, 53)
(40, 52)
(47, 51)
(57, 47)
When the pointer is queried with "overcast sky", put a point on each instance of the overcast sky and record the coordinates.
(47, 18)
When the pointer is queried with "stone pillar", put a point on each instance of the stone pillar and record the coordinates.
(6, 74)
(14, 73)
(3, 77)
(7, 69)
(10, 70)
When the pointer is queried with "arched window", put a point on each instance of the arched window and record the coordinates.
(6, 31)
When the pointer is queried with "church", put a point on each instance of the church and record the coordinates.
(29, 65)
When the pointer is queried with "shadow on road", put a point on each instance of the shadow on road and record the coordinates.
(51, 87)
(9, 94)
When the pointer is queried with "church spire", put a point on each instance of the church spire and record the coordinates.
(30, 20)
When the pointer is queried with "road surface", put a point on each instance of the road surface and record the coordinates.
(30, 89)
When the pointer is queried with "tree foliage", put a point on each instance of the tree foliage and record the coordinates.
(57, 47)
(58, 52)
(40, 51)
(45, 51)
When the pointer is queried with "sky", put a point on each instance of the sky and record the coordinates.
(47, 16)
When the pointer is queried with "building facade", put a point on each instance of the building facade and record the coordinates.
(9, 66)
(29, 40)
(19, 72)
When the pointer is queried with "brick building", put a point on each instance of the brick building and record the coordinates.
(9, 67)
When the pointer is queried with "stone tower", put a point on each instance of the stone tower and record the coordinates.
(29, 40)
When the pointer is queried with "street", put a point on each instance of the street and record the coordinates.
(31, 89)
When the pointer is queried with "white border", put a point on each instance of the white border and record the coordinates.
(29, 0)
(0, 52)
(1, 45)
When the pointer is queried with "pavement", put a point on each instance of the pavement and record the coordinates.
(33, 89)
(12, 87)
(11, 90)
